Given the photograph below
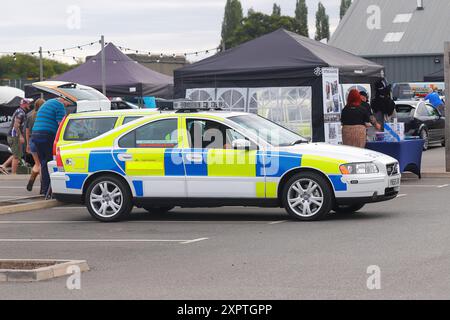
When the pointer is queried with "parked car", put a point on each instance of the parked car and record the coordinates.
(422, 120)
(123, 105)
(203, 158)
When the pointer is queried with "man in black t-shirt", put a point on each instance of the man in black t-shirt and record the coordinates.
(367, 108)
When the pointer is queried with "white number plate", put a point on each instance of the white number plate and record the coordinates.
(394, 182)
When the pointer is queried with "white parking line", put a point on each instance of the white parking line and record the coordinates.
(6, 222)
(401, 195)
(195, 240)
(277, 222)
(104, 240)
(419, 186)
(444, 186)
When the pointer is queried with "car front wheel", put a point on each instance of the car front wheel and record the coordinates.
(108, 199)
(307, 197)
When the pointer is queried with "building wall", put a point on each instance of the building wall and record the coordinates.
(409, 69)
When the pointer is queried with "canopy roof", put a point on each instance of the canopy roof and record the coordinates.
(278, 54)
(124, 76)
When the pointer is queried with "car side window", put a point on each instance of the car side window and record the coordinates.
(84, 129)
(208, 134)
(157, 134)
(130, 119)
(432, 111)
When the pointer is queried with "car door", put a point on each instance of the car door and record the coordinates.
(437, 132)
(424, 117)
(214, 169)
(153, 161)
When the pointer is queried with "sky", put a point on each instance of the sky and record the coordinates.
(157, 26)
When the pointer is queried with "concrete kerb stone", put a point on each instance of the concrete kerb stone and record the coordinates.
(35, 205)
(59, 269)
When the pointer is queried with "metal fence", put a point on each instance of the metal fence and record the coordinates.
(16, 83)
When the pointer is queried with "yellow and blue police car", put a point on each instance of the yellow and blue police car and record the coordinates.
(194, 157)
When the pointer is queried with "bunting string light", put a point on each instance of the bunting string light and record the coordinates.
(65, 52)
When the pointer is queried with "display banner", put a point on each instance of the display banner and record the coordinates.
(332, 105)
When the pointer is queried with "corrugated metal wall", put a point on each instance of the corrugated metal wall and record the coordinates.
(409, 69)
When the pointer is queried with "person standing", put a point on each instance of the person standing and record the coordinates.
(382, 105)
(16, 134)
(436, 101)
(31, 147)
(48, 118)
(354, 120)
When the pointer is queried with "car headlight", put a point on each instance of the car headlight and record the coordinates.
(359, 168)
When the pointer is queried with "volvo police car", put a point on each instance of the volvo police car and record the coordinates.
(198, 157)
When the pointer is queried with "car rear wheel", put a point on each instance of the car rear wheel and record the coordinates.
(108, 199)
(424, 136)
(307, 197)
(158, 210)
(341, 209)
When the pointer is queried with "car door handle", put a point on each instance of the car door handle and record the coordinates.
(195, 158)
(125, 157)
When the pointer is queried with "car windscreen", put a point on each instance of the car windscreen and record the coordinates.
(84, 129)
(268, 131)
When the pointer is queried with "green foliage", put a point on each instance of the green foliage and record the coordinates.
(25, 66)
(257, 24)
(322, 24)
(276, 11)
(301, 17)
(231, 20)
(345, 4)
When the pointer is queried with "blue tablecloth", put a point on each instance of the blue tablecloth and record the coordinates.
(408, 153)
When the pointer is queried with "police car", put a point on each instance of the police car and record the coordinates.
(198, 157)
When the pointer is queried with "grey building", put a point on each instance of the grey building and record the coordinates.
(405, 36)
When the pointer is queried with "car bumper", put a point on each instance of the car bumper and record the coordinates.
(369, 188)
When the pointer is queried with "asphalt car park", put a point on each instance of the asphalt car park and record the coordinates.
(243, 253)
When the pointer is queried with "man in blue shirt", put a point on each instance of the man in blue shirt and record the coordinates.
(435, 100)
(45, 127)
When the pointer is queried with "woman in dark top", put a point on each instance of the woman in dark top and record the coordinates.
(355, 120)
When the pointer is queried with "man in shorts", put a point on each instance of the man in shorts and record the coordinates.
(16, 133)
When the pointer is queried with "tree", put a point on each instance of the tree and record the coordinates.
(257, 24)
(276, 10)
(25, 66)
(231, 20)
(322, 23)
(301, 17)
(345, 4)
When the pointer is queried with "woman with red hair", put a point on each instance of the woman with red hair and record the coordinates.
(355, 121)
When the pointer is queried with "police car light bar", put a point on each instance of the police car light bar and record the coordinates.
(197, 105)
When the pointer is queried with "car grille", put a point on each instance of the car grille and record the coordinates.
(393, 169)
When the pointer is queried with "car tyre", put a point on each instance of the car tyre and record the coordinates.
(158, 210)
(424, 136)
(108, 199)
(353, 208)
(307, 196)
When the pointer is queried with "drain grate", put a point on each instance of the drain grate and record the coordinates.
(25, 270)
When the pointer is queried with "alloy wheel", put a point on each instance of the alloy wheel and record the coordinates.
(305, 198)
(106, 199)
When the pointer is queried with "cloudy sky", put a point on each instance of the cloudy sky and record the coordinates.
(168, 26)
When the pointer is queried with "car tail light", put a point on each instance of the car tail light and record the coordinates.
(58, 133)
(59, 162)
